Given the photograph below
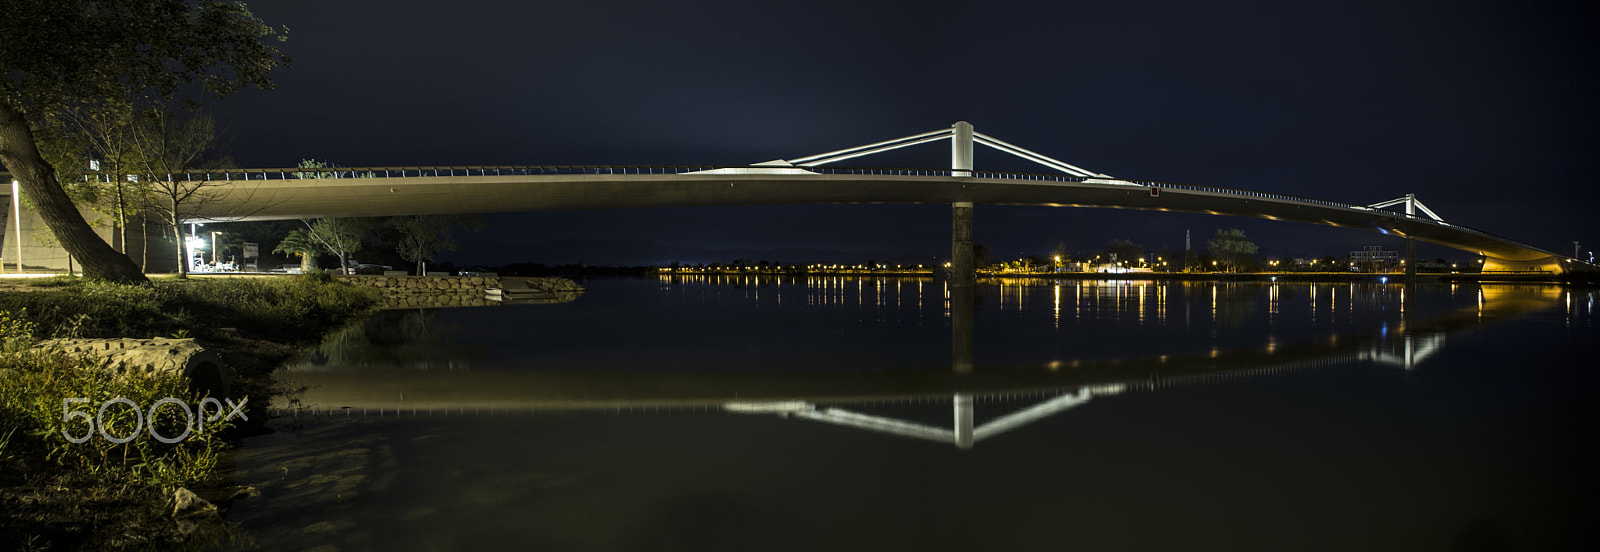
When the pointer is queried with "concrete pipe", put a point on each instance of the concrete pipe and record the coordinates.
(205, 372)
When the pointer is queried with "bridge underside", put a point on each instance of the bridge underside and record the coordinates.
(1551, 264)
(355, 197)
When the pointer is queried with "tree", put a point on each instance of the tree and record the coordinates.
(339, 236)
(105, 135)
(299, 242)
(1164, 259)
(109, 54)
(169, 145)
(137, 152)
(422, 236)
(1058, 255)
(1122, 250)
(1231, 248)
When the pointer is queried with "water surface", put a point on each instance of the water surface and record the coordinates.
(737, 413)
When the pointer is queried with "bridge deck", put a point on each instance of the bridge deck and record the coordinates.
(299, 198)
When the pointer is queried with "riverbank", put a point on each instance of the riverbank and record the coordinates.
(1308, 277)
(1575, 278)
(57, 494)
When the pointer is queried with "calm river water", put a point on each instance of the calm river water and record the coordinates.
(841, 413)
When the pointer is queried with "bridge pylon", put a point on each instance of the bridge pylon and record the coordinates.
(962, 273)
(962, 141)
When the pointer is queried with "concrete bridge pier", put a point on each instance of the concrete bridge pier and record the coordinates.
(962, 271)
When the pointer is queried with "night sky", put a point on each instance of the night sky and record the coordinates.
(1485, 110)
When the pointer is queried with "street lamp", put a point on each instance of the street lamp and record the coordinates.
(194, 243)
(214, 249)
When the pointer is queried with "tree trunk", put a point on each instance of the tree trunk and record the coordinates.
(20, 154)
(122, 220)
(144, 243)
(183, 257)
(177, 235)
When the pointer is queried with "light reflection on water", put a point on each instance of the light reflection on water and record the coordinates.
(1339, 380)
(815, 322)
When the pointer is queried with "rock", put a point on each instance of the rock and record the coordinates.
(420, 291)
(187, 504)
(189, 510)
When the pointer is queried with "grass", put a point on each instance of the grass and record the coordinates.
(295, 309)
(60, 494)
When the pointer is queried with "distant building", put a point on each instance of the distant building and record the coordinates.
(1373, 258)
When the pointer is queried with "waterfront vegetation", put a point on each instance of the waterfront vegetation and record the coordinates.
(56, 494)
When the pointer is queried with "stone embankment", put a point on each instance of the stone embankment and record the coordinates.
(203, 369)
(467, 291)
(430, 291)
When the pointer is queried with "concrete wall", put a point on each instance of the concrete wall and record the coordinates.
(40, 253)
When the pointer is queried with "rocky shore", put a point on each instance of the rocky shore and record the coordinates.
(429, 291)
(466, 291)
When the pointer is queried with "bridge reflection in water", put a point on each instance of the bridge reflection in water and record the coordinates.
(822, 395)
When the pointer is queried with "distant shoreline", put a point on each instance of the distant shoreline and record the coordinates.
(1339, 277)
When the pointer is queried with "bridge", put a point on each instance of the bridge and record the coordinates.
(287, 193)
